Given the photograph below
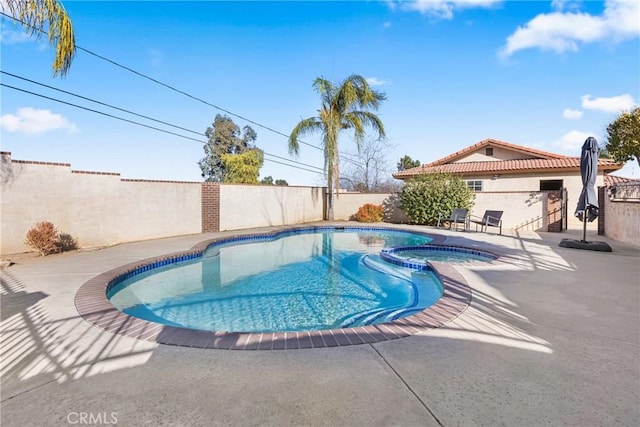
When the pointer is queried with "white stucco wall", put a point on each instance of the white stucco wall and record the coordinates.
(96, 209)
(498, 154)
(531, 182)
(622, 220)
(521, 211)
(347, 204)
(248, 206)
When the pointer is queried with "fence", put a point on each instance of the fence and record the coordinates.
(101, 208)
(96, 208)
(620, 212)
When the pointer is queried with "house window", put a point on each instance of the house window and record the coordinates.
(489, 151)
(550, 184)
(475, 185)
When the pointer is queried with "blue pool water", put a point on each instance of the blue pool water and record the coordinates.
(418, 256)
(317, 279)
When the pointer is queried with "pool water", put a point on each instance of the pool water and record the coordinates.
(438, 255)
(299, 281)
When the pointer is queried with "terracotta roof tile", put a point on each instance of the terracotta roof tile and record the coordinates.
(544, 161)
(611, 180)
(496, 143)
(513, 166)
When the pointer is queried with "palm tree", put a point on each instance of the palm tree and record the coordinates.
(343, 107)
(47, 16)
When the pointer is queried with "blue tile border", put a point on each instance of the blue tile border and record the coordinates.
(387, 254)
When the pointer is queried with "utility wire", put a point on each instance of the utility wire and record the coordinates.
(200, 99)
(127, 111)
(99, 102)
(98, 112)
(297, 167)
(172, 88)
(319, 170)
(124, 67)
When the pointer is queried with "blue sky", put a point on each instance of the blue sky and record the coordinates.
(543, 74)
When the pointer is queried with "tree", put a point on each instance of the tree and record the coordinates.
(224, 137)
(242, 168)
(50, 17)
(407, 162)
(267, 180)
(429, 196)
(623, 136)
(367, 170)
(346, 106)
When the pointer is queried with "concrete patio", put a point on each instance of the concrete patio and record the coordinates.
(551, 338)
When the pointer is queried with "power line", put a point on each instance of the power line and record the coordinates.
(98, 112)
(127, 111)
(172, 88)
(99, 102)
(144, 76)
(200, 99)
(319, 170)
(297, 167)
(124, 67)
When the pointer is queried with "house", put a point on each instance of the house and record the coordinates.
(529, 185)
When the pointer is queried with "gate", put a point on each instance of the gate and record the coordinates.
(557, 210)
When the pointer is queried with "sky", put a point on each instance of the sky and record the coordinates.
(541, 74)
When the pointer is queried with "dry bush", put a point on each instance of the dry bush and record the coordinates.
(66, 242)
(369, 213)
(43, 237)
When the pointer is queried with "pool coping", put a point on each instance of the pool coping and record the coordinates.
(93, 306)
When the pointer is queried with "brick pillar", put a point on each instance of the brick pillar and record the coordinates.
(554, 211)
(601, 212)
(210, 200)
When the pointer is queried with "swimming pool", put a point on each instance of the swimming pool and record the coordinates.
(312, 279)
(93, 306)
(418, 257)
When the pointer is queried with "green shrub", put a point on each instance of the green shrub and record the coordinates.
(430, 196)
(43, 237)
(369, 213)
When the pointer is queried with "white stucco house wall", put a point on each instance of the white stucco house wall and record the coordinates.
(504, 169)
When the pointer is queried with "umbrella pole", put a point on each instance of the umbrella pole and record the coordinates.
(584, 226)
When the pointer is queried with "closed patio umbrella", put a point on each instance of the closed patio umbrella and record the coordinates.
(587, 209)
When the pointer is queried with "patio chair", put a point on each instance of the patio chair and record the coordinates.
(489, 219)
(458, 216)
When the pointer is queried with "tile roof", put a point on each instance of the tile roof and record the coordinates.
(546, 161)
(496, 143)
(513, 166)
(611, 180)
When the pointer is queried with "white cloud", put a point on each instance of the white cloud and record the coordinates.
(573, 141)
(32, 121)
(564, 31)
(560, 5)
(374, 81)
(387, 24)
(570, 114)
(14, 35)
(442, 9)
(613, 104)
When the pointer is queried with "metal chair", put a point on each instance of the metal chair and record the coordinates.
(489, 219)
(458, 216)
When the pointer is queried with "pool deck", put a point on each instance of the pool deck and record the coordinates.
(551, 338)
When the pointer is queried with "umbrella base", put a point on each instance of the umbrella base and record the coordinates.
(582, 244)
